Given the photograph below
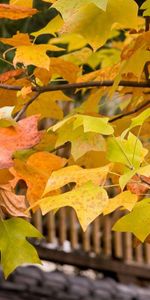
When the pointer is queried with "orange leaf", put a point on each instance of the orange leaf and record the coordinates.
(13, 73)
(19, 39)
(14, 12)
(36, 171)
(23, 136)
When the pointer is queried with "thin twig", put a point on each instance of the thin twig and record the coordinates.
(24, 108)
(67, 86)
(130, 112)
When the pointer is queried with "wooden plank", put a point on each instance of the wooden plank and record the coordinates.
(118, 245)
(128, 247)
(147, 253)
(96, 235)
(86, 240)
(73, 229)
(62, 226)
(99, 263)
(37, 220)
(139, 254)
(107, 236)
(51, 230)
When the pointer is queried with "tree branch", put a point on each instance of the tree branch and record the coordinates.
(89, 84)
(24, 108)
(130, 112)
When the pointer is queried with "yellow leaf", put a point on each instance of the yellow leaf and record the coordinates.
(88, 201)
(45, 105)
(28, 3)
(74, 41)
(78, 175)
(95, 24)
(34, 55)
(53, 26)
(125, 199)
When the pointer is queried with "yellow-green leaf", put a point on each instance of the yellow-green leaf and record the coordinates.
(137, 221)
(15, 249)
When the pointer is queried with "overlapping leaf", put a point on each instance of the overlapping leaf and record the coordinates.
(23, 136)
(36, 171)
(93, 23)
(77, 175)
(137, 221)
(88, 201)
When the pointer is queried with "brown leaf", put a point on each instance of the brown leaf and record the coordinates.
(12, 204)
(137, 186)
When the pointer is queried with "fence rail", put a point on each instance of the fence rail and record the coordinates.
(63, 230)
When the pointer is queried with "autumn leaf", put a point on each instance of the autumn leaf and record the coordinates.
(14, 12)
(88, 201)
(12, 204)
(34, 55)
(81, 142)
(77, 175)
(15, 249)
(74, 6)
(129, 152)
(90, 21)
(146, 7)
(137, 221)
(35, 172)
(29, 3)
(19, 39)
(46, 105)
(10, 74)
(125, 199)
(138, 185)
(52, 27)
(89, 123)
(23, 136)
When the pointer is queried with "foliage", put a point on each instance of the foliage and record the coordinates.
(74, 76)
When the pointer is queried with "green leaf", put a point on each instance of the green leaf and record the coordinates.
(94, 124)
(15, 249)
(146, 7)
(124, 179)
(137, 221)
(138, 121)
(129, 152)
(81, 142)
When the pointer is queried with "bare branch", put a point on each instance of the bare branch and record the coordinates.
(130, 112)
(24, 108)
(89, 84)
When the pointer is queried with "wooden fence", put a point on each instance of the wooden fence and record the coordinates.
(63, 229)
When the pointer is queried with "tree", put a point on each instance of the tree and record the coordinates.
(84, 70)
